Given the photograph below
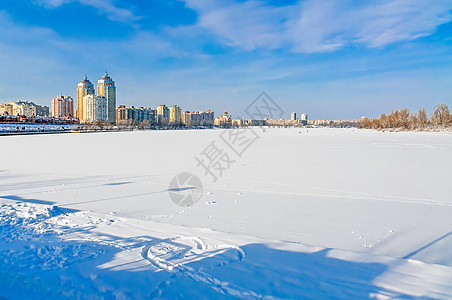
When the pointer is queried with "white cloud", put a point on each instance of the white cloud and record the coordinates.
(38, 63)
(7, 27)
(248, 25)
(107, 7)
(320, 26)
(29, 40)
(401, 20)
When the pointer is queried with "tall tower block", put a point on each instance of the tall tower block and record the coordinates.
(85, 87)
(106, 87)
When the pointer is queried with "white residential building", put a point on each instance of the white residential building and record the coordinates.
(94, 108)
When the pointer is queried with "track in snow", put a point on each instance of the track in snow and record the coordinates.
(175, 255)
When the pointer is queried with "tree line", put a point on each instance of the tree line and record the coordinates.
(403, 119)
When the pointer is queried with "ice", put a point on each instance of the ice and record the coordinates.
(330, 213)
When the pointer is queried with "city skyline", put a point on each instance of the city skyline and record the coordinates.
(106, 92)
(307, 56)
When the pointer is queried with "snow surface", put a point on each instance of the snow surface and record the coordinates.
(302, 214)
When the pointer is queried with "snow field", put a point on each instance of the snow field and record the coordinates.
(324, 213)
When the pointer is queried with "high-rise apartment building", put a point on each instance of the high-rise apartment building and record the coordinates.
(208, 117)
(85, 87)
(20, 108)
(94, 108)
(293, 116)
(121, 114)
(197, 118)
(106, 87)
(131, 115)
(175, 114)
(162, 115)
(186, 118)
(62, 106)
(41, 110)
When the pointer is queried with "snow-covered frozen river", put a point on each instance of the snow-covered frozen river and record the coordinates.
(283, 213)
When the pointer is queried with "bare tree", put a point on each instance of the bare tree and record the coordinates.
(394, 119)
(413, 122)
(383, 121)
(422, 118)
(375, 123)
(364, 123)
(441, 115)
(145, 124)
(404, 116)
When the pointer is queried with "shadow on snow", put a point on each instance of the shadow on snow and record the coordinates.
(47, 266)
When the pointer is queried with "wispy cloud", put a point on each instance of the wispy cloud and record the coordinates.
(320, 26)
(11, 34)
(107, 7)
(37, 57)
(248, 25)
(401, 20)
(33, 39)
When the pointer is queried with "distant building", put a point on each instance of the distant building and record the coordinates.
(304, 117)
(41, 110)
(175, 115)
(293, 116)
(106, 87)
(20, 108)
(162, 115)
(223, 121)
(132, 116)
(323, 122)
(62, 106)
(146, 114)
(197, 118)
(121, 115)
(85, 87)
(186, 118)
(94, 108)
(237, 122)
(6, 109)
(255, 122)
(208, 117)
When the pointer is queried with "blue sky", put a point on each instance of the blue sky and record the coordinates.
(333, 59)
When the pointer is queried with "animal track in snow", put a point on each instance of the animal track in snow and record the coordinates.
(376, 241)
